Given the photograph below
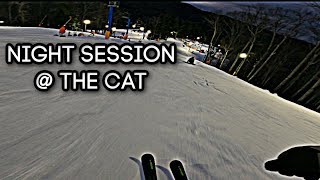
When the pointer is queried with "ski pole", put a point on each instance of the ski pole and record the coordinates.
(43, 19)
(68, 21)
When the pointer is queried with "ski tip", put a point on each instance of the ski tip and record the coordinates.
(175, 162)
(149, 167)
(177, 170)
(147, 156)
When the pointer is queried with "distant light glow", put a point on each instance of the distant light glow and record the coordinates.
(243, 55)
(87, 21)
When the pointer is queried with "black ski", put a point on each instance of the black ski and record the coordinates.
(149, 167)
(178, 170)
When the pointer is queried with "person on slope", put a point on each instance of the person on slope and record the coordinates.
(62, 30)
(191, 60)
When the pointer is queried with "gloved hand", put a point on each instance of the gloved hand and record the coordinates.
(299, 161)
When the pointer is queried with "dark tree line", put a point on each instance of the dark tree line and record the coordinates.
(276, 60)
(159, 17)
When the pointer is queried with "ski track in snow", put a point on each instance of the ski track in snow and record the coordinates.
(219, 126)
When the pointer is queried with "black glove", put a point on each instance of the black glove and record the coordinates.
(299, 161)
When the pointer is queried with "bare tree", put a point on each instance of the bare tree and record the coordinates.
(313, 53)
(313, 61)
(276, 64)
(276, 23)
(315, 77)
(310, 91)
(21, 12)
(10, 5)
(297, 68)
(292, 29)
(312, 101)
(155, 22)
(255, 21)
(213, 21)
(234, 31)
(237, 58)
(100, 16)
(85, 10)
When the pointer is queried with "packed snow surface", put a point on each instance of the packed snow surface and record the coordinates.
(219, 126)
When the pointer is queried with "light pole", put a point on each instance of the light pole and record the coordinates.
(198, 38)
(86, 22)
(106, 26)
(142, 29)
(244, 57)
(133, 26)
(114, 31)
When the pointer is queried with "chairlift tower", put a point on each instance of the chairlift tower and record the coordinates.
(111, 5)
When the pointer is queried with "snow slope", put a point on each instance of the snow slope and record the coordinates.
(218, 125)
